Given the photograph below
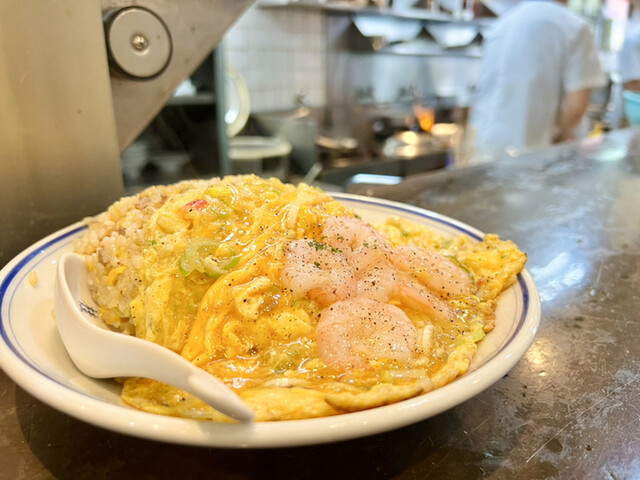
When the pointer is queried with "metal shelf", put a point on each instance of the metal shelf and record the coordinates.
(348, 8)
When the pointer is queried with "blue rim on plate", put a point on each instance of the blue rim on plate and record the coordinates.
(13, 274)
(21, 359)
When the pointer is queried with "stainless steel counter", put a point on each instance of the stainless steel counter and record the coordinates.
(569, 409)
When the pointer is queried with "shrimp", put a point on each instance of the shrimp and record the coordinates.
(377, 282)
(435, 271)
(417, 296)
(361, 244)
(349, 232)
(323, 275)
(366, 251)
(355, 331)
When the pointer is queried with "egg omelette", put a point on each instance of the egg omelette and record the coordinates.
(286, 296)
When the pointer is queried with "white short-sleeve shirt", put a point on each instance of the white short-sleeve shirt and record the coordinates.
(629, 58)
(534, 54)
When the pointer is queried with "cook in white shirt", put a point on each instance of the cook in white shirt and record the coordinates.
(539, 65)
(629, 58)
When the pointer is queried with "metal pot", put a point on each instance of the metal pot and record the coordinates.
(339, 145)
(408, 144)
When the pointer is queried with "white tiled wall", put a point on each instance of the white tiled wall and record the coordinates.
(281, 53)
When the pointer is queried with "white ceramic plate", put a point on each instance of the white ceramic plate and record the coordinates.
(32, 354)
(238, 103)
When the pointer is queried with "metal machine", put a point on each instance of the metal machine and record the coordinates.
(79, 81)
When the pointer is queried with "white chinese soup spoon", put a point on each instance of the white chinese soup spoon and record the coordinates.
(100, 352)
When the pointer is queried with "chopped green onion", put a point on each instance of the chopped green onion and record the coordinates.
(477, 332)
(211, 267)
(200, 256)
(457, 263)
(447, 243)
(279, 362)
(221, 209)
(232, 263)
(218, 191)
(185, 265)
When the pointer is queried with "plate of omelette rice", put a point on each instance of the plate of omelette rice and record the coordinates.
(332, 316)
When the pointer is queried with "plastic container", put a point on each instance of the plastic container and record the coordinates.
(632, 107)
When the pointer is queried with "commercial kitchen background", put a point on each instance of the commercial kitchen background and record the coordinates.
(325, 91)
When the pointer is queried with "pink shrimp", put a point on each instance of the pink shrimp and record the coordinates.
(349, 232)
(361, 244)
(417, 296)
(366, 251)
(438, 273)
(377, 282)
(323, 275)
(353, 332)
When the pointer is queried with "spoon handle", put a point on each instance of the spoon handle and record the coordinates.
(101, 353)
(169, 367)
(141, 358)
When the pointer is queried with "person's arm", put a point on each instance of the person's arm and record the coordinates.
(582, 72)
(576, 104)
(632, 85)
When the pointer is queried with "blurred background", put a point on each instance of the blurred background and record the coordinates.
(328, 91)
(100, 98)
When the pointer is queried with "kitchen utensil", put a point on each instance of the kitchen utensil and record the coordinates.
(237, 101)
(299, 127)
(381, 32)
(341, 144)
(384, 127)
(265, 156)
(445, 133)
(406, 145)
(101, 353)
(451, 35)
